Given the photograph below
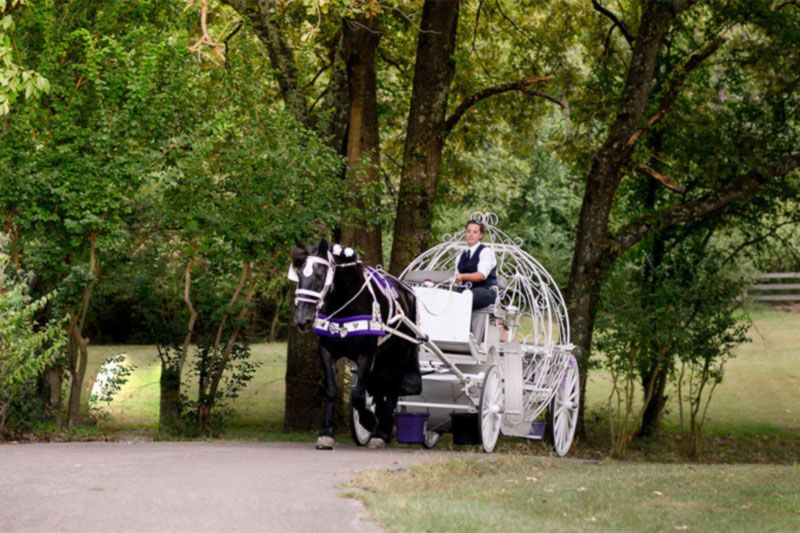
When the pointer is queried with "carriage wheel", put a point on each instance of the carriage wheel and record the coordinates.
(360, 434)
(564, 409)
(491, 409)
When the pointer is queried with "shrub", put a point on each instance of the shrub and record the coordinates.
(26, 347)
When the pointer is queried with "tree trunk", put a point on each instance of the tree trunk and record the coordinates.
(208, 396)
(169, 415)
(169, 412)
(582, 299)
(78, 356)
(50, 384)
(303, 375)
(425, 130)
(651, 417)
(303, 405)
(656, 369)
(78, 345)
(361, 38)
(593, 251)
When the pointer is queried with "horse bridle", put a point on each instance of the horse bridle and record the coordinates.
(316, 297)
(307, 295)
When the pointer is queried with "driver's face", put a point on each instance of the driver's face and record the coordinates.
(473, 234)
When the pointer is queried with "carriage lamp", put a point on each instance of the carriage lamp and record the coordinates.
(512, 317)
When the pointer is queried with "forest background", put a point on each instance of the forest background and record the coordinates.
(159, 158)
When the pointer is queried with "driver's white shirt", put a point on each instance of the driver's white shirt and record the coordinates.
(486, 261)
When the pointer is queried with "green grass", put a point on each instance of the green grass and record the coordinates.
(755, 411)
(258, 409)
(753, 418)
(513, 493)
(760, 394)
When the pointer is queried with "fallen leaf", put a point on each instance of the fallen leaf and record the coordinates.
(683, 527)
(592, 519)
(530, 478)
(658, 493)
(748, 505)
(512, 481)
(581, 489)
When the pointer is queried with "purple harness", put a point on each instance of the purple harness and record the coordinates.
(360, 325)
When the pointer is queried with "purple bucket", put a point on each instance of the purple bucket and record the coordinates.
(537, 430)
(411, 427)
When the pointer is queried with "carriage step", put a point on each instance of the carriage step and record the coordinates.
(537, 430)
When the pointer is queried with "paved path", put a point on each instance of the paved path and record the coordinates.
(184, 486)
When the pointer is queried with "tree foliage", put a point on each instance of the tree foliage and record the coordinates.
(27, 348)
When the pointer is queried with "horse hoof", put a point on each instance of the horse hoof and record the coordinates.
(325, 443)
(376, 443)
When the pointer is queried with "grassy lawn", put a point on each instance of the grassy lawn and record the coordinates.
(524, 493)
(760, 394)
(757, 405)
(259, 407)
(753, 418)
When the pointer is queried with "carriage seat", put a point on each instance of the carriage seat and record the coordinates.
(480, 317)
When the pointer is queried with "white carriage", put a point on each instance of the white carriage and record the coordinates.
(506, 368)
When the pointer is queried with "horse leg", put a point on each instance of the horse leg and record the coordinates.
(359, 393)
(326, 440)
(384, 408)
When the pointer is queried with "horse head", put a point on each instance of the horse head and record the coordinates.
(312, 270)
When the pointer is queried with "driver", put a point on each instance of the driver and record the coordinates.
(477, 264)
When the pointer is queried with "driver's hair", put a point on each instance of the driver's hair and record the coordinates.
(477, 223)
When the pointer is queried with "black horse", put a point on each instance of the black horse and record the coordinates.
(354, 310)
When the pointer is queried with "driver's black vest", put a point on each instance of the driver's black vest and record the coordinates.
(470, 265)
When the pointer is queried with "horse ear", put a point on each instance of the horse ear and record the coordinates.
(298, 255)
(322, 248)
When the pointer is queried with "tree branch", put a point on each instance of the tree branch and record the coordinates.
(230, 36)
(760, 237)
(677, 82)
(322, 69)
(786, 4)
(468, 102)
(263, 14)
(623, 28)
(712, 202)
(672, 91)
(661, 178)
(514, 24)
